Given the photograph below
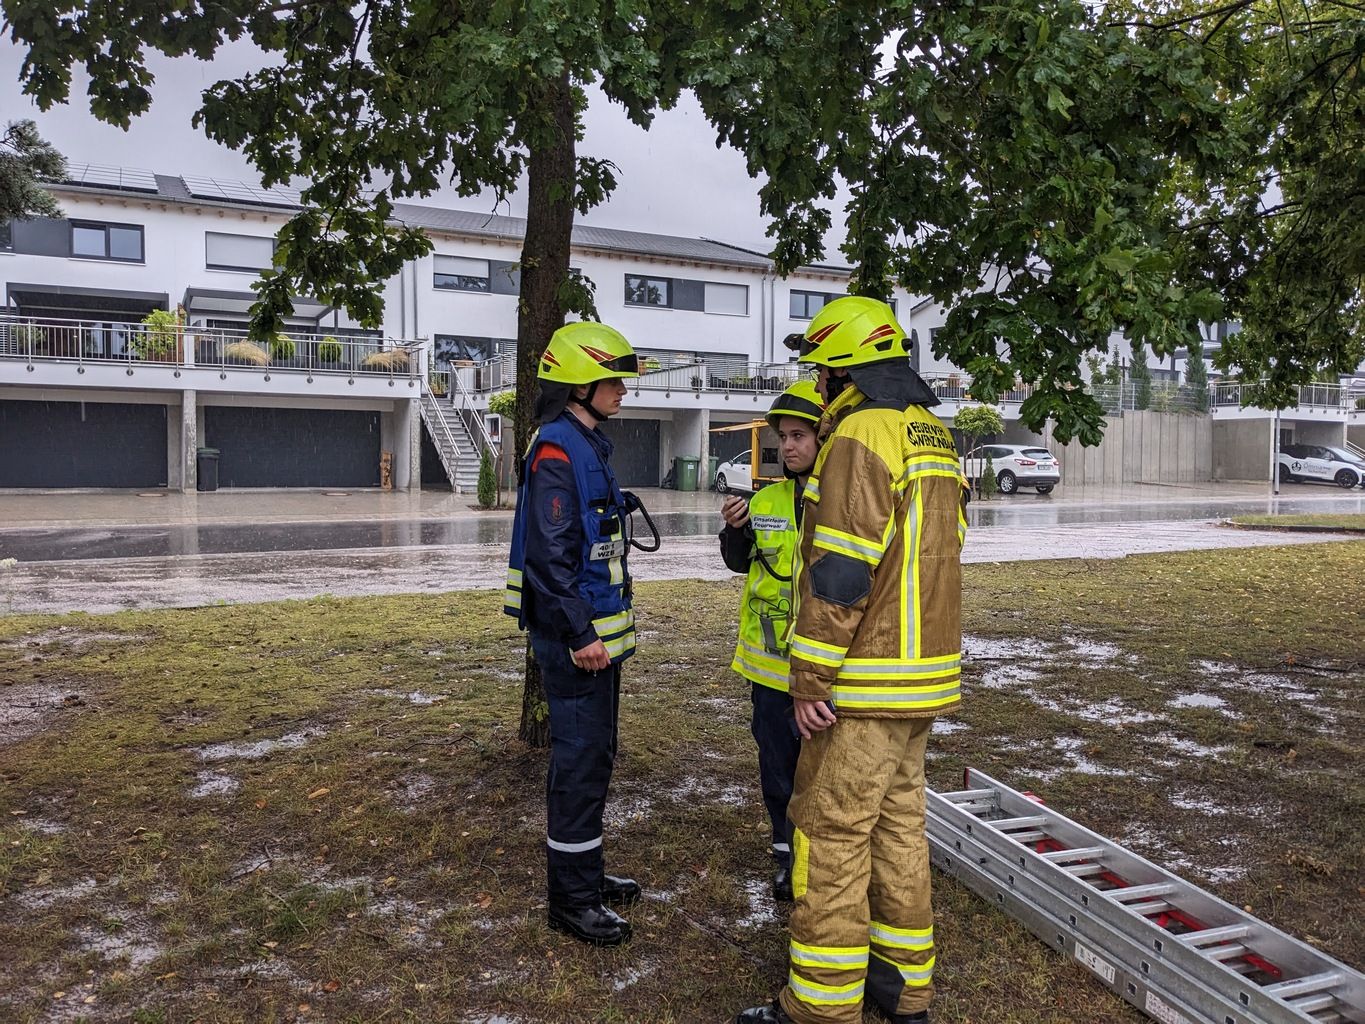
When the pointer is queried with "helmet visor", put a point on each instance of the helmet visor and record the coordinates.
(623, 364)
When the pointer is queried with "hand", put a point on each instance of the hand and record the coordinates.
(593, 658)
(735, 511)
(812, 716)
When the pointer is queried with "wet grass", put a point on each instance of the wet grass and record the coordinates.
(1324, 521)
(367, 845)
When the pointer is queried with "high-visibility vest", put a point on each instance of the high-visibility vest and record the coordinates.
(603, 580)
(766, 609)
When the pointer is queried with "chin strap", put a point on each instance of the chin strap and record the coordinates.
(586, 403)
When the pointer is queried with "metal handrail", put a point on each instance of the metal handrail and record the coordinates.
(467, 404)
(1316, 396)
(434, 412)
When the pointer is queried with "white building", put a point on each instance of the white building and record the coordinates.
(89, 397)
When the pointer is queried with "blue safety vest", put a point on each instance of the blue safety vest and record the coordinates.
(603, 581)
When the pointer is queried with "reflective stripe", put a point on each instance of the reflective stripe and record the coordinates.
(781, 848)
(758, 654)
(928, 465)
(514, 578)
(825, 995)
(620, 645)
(836, 957)
(760, 675)
(914, 977)
(910, 636)
(893, 668)
(846, 543)
(895, 696)
(512, 599)
(901, 938)
(800, 862)
(591, 844)
(609, 624)
(820, 653)
(811, 492)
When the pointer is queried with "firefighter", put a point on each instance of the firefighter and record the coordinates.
(759, 539)
(568, 583)
(875, 656)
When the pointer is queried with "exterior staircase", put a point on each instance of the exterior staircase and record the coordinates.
(458, 452)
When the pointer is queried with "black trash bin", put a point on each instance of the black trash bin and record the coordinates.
(206, 463)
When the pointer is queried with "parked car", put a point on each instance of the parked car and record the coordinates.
(735, 474)
(1321, 463)
(1016, 466)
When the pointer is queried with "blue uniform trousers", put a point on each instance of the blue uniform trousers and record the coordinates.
(583, 715)
(779, 748)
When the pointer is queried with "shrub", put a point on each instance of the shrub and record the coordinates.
(393, 360)
(488, 483)
(504, 403)
(158, 340)
(245, 353)
(987, 484)
(281, 348)
(329, 350)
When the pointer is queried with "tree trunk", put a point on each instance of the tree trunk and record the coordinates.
(544, 267)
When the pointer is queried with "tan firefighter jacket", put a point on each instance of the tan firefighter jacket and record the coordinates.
(878, 574)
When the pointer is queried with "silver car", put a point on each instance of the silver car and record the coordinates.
(1016, 466)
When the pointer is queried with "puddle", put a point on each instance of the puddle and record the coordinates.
(210, 783)
(1071, 748)
(411, 922)
(948, 726)
(1199, 700)
(69, 639)
(132, 942)
(29, 709)
(412, 790)
(762, 906)
(414, 697)
(40, 898)
(633, 974)
(692, 788)
(253, 751)
(1189, 802)
(626, 810)
(1192, 749)
(43, 826)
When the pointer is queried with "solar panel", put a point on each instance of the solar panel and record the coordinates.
(130, 179)
(241, 192)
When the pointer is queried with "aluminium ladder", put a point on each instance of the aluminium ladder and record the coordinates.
(1177, 953)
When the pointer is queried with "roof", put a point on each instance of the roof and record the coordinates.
(94, 179)
(765, 249)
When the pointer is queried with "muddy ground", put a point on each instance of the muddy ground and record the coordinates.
(319, 810)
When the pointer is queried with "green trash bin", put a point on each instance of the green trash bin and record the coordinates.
(685, 472)
(711, 465)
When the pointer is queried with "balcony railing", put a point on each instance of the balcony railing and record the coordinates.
(1235, 395)
(34, 339)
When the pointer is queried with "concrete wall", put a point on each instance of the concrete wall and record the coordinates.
(1138, 447)
(1241, 449)
(1314, 432)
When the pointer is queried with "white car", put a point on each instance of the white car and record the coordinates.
(735, 474)
(1015, 465)
(1323, 463)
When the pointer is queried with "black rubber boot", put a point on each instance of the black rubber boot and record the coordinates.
(770, 1014)
(782, 885)
(919, 1017)
(595, 925)
(619, 892)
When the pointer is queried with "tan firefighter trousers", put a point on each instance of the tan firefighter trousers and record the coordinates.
(863, 923)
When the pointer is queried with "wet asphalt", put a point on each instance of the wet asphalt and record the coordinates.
(238, 548)
(95, 542)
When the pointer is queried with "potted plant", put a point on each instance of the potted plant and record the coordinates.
(329, 350)
(282, 349)
(157, 340)
(393, 360)
(245, 353)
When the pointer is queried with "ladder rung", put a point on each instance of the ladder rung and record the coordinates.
(1084, 853)
(1028, 837)
(1081, 870)
(1221, 953)
(1014, 824)
(1302, 986)
(1209, 936)
(1148, 907)
(1129, 894)
(964, 796)
(1312, 1004)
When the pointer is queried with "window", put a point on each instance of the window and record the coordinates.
(804, 305)
(238, 252)
(459, 348)
(730, 299)
(648, 291)
(457, 273)
(107, 241)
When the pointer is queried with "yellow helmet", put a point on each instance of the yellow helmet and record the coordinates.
(800, 400)
(581, 353)
(853, 331)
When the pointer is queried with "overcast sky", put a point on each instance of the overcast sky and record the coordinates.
(672, 180)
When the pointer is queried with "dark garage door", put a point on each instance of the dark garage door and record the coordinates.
(82, 444)
(635, 455)
(293, 447)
